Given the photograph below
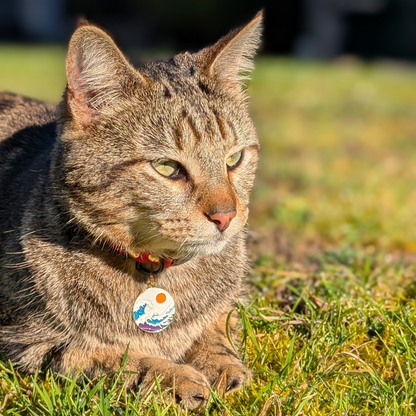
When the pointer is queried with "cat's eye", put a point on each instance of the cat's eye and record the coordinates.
(234, 160)
(168, 168)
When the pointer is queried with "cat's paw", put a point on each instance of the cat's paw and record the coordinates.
(192, 392)
(231, 378)
(227, 374)
(188, 386)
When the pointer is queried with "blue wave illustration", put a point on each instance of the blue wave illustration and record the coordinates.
(157, 319)
(152, 322)
(140, 312)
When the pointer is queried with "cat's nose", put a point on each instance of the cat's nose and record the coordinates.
(222, 219)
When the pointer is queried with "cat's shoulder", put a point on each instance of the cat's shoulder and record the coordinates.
(18, 112)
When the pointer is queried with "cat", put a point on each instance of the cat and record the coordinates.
(140, 178)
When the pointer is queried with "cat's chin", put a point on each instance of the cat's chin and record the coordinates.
(194, 250)
(182, 251)
(207, 250)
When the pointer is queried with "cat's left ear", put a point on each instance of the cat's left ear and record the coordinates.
(230, 60)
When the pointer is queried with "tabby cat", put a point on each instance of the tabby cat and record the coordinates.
(140, 179)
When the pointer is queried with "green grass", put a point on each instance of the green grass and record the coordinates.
(331, 327)
(339, 146)
(35, 71)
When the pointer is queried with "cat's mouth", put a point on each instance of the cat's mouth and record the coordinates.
(197, 249)
(181, 251)
(175, 244)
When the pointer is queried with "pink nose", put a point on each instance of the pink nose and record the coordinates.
(222, 219)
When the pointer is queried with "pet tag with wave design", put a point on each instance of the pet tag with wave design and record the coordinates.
(153, 310)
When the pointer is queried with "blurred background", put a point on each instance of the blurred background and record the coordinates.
(305, 28)
(333, 97)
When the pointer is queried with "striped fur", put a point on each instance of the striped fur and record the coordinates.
(74, 184)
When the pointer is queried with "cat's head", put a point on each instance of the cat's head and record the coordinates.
(162, 158)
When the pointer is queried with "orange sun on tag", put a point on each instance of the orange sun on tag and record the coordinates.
(160, 298)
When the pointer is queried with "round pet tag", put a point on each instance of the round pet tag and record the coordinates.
(153, 310)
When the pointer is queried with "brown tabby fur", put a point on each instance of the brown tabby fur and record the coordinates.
(75, 184)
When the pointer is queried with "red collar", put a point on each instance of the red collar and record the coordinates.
(146, 258)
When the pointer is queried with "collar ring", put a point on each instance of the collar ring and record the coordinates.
(141, 267)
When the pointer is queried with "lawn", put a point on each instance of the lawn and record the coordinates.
(330, 328)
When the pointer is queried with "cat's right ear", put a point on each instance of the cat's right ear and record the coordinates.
(98, 75)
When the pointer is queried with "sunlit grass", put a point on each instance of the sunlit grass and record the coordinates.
(331, 326)
(338, 152)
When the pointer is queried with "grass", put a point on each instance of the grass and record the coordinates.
(331, 324)
(35, 71)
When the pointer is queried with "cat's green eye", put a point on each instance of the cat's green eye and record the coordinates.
(234, 160)
(168, 168)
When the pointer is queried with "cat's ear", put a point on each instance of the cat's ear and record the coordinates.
(98, 75)
(230, 60)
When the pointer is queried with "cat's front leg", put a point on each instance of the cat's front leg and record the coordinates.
(189, 386)
(214, 356)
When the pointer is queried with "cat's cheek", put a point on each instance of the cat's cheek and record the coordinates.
(245, 212)
(242, 185)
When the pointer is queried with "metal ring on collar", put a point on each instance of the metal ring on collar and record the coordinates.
(141, 268)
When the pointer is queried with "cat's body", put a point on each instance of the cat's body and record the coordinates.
(82, 194)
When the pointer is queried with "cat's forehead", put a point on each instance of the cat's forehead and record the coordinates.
(177, 95)
(188, 125)
(179, 78)
(179, 109)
